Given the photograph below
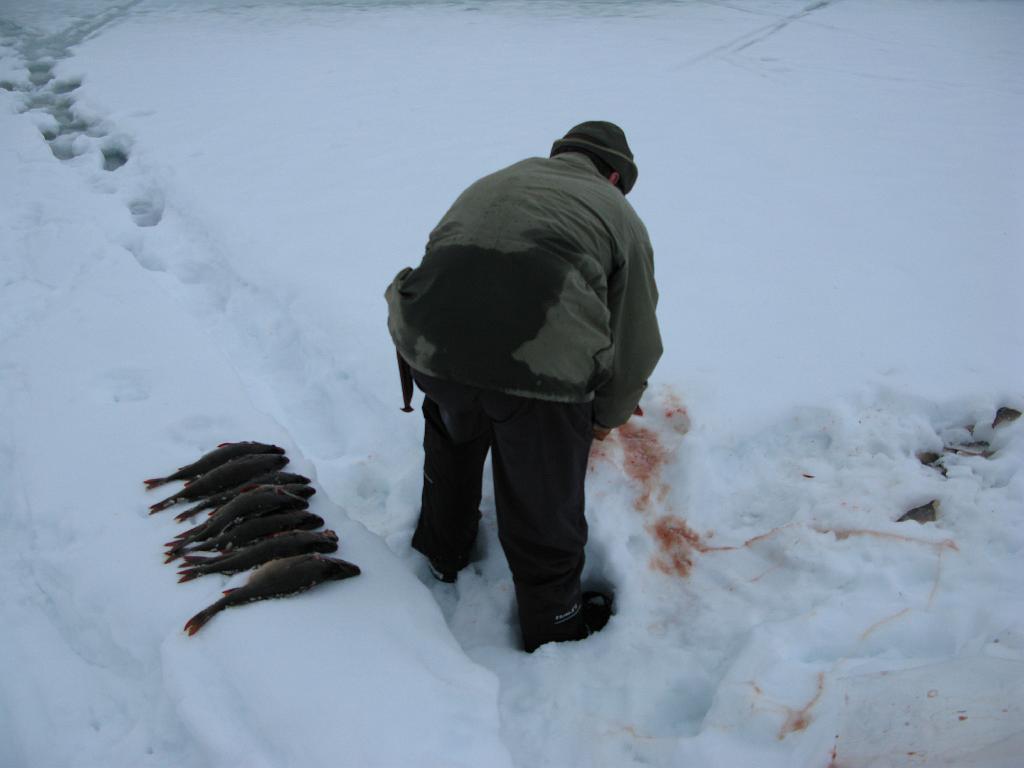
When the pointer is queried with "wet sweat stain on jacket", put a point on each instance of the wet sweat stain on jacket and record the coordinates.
(539, 282)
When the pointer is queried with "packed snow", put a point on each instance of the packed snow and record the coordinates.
(200, 206)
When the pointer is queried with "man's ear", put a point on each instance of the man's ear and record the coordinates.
(614, 177)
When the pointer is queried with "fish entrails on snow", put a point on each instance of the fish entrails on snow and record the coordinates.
(253, 529)
(234, 473)
(219, 499)
(220, 455)
(1004, 415)
(245, 505)
(278, 578)
(282, 545)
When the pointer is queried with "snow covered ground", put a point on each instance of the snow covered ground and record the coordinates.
(200, 206)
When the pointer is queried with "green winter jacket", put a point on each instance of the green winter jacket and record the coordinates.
(538, 282)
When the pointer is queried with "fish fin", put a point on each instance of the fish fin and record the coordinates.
(188, 514)
(153, 482)
(188, 575)
(171, 557)
(195, 559)
(229, 591)
(197, 622)
(170, 501)
(189, 532)
(224, 445)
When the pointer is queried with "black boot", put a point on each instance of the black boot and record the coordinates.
(597, 609)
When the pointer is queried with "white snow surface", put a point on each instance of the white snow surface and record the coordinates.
(835, 192)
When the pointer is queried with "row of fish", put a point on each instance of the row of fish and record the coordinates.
(257, 518)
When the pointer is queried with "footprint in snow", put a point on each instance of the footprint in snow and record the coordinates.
(147, 211)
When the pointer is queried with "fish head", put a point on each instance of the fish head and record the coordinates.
(336, 568)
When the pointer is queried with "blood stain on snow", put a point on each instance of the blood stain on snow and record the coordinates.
(644, 452)
(677, 543)
(798, 720)
(676, 414)
(883, 621)
(643, 458)
(845, 533)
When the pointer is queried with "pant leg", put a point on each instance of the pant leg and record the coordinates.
(456, 439)
(540, 454)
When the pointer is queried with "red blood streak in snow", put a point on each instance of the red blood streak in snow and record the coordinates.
(643, 458)
(677, 543)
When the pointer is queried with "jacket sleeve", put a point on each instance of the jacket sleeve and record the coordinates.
(632, 301)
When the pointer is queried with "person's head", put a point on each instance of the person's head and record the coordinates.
(605, 144)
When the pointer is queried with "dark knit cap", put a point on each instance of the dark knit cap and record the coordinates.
(607, 141)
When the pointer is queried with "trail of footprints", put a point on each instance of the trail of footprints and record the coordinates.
(257, 517)
(929, 512)
(67, 132)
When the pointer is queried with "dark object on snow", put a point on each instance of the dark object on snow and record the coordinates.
(540, 460)
(597, 609)
(926, 513)
(247, 531)
(278, 578)
(296, 490)
(975, 448)
(1004, 415)
(405, 376)
(282, 545)
(219, 499)
(236, 472)
(220, 455)
(933, 460)
(245, 506)
(442, 574)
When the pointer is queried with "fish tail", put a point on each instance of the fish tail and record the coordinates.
(171, 557)
(196, 559)
(190, 532)
(153, 482)
(188, 574)
(170, 501)
(197, 622)
(188, 514)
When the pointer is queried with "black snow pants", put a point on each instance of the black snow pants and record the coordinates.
(539, 457)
